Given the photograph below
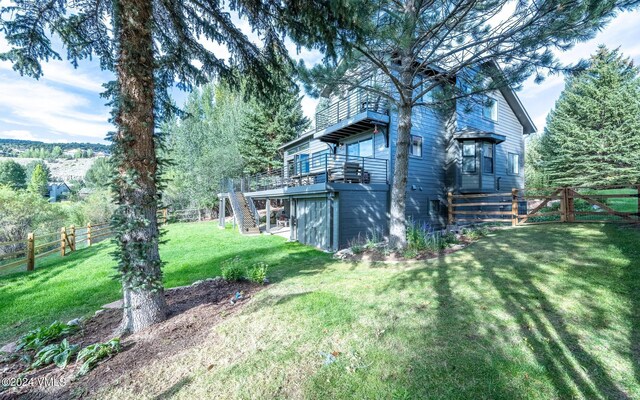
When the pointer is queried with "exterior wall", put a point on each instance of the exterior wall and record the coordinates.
(362, 214)
(426, 189)
(507, 125)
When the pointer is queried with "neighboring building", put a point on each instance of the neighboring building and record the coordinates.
(336, 179)
(58, 191)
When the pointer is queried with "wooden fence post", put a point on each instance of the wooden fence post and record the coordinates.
(164, 215)
(514, 207)
(63, 241)
(72, 242)
(89, 234)
(563, 205)
(450, 208)
(31, 258)
(571, 209)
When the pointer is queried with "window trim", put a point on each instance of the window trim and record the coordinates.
(510, 164)
(411, 146)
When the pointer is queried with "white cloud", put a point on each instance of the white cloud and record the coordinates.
(52, 110)
(18, 134)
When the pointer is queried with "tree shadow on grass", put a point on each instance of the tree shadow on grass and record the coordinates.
(628, 241)
(508, 281)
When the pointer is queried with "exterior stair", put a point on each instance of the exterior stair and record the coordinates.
(244, 216)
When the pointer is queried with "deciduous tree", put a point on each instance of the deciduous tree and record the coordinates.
(12, 174)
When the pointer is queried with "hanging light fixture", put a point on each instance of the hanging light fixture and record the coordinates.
(375, 129)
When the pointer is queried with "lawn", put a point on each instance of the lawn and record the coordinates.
(66, 288)
(534, 312)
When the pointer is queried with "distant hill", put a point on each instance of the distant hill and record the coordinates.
(24, 145)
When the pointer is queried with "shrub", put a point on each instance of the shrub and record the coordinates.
(232, 269)
(372, 240)
(58, 353)
(356, 245)
(38, 338)
(91, 355)
(424, 237)
(258, 273)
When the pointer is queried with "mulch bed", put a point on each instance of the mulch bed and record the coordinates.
(193, 311)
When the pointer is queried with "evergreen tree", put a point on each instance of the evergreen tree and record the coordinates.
(150, 45)
(12, 174)
(39, 183)
(270, 124)
(416, 47)
(592, 135)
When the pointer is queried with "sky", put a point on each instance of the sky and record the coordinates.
(65, 104)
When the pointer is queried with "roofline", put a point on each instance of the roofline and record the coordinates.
(514, 102)
(299, 139)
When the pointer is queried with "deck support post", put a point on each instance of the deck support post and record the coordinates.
(450, 209)
(222, 212)
(268, 207)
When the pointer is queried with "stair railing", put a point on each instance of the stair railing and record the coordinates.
(235, 206)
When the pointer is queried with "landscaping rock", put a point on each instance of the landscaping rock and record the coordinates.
(196, 283)
(113, 306)
(344, 254)
(9, 348)
(100, 311)
(457, 247)
(75, 321)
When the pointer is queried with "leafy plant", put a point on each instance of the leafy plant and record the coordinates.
(232, 269)
(38, 338)
(258, 273)
(372, 240)
(425, 238)
(58, 353)
(357, 245)
(91, 355)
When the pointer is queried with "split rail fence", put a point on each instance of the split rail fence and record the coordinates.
(26, 251)
(602, 204)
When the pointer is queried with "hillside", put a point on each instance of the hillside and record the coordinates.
(61, 169)
(18, 146)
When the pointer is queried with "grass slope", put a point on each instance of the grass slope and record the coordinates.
(539, 312)
(65, 288)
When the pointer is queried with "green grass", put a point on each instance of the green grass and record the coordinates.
(538, 312)
(535, 312)
(66, 288)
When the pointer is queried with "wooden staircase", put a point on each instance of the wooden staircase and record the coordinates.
(244, 217)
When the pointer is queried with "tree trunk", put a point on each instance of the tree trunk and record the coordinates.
(398, 223)
(135, 154)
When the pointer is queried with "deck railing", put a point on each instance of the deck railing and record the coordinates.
(356, 102)
(325, 168)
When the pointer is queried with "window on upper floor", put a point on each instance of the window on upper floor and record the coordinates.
(415, 146)
(490, 108)
(487, 155)
(469, 157)
(361, 148)
(301, 164)
(513, 164)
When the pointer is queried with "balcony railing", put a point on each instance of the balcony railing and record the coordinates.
(354, 103)
(326, 168)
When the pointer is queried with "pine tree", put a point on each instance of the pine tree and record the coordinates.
(12, 174)
(270, 124)
(39, 183)
(151, 45)
(592, 135)
(416, 47)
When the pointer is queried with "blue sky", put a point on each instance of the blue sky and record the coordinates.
(65, 106)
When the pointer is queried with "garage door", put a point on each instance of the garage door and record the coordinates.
(313, 222)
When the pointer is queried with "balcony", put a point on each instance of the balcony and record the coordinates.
(358, 112)
(320, 173)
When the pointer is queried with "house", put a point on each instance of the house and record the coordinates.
(57, 191)
(336, 179)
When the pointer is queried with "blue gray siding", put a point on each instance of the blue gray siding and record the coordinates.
(362, 214)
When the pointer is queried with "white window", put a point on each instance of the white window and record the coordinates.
(490, 108)
(514, 164)
(415, 147)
